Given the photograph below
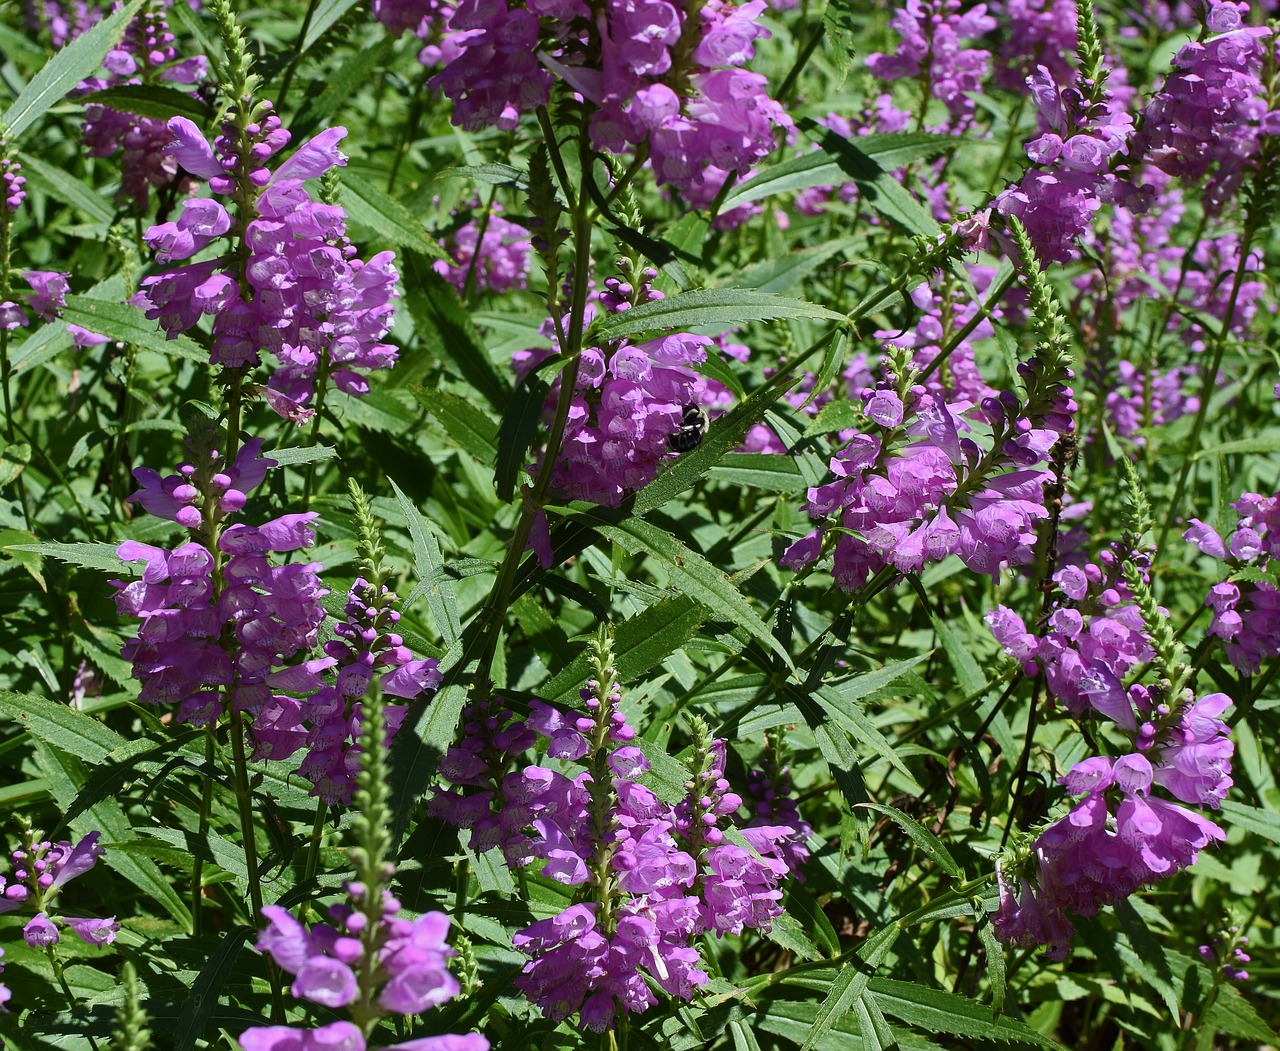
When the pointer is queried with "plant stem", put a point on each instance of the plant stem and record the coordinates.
(297, 54)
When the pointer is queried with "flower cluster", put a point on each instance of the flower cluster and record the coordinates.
(297, 288)
(327, 721)
(40, 870)
(146, 55)
(47, 297)
(429, 20)
(12, 180)
(63, 22)
(1209, 116)
(217, 626)
(1246, 612)
(1084, 128)
(772, 804)
(1141, 245)
(931, 51)
(1139, 398)
(910, 489)
(653, 73)
(1120, 835)
(491, 254)
(1035, 33)
(630, 399)
(655, 877)
(1227, 952)
(393, 966)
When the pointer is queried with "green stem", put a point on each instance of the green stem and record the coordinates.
(297, 54)
(535, 496)
(313, 848)
(197, 868)
(244, 804)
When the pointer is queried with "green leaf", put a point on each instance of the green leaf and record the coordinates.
(640, 643)
(420, 743)
(384, 215)
(89, 556)
(921, 836)
(303, 454)
(851, 984)
(436, 311)
(1231, 1013)
(326, 15)
(866, 684)
(520, 423)
(842, 25)
(764, 471)
(66, 187)
(490, 174)
(66, 774)
(708, 306)
(152, 100)
(1268, 443)
(57, 724)
(937, 1011)
(879, 189)
(210, 847)
(470, 428)
(13, 461)
(122, 766)
(689, 573)
(128, 324)
(79, 59)
(784, 273)
(995, 966)
(888, 151)
(832, 362)
(428, 563)
(196, 1013)
(850, 718)
(31, 561)
(1265, 823)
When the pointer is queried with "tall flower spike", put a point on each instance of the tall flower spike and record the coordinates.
(365, 651)
(290, 281)
(12, 180)
(189, 609)
(369, 959)
(1121, 833)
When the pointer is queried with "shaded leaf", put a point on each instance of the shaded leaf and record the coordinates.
(708, 306)
(81, 58)
(152, 100)
(128, 324)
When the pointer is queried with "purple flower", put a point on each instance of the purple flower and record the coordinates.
(93, 931)
(629, 401)
(409, 961)
(494, 261)
(271, 612)
(1207, 118)
(48, 292)
(40, 931)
